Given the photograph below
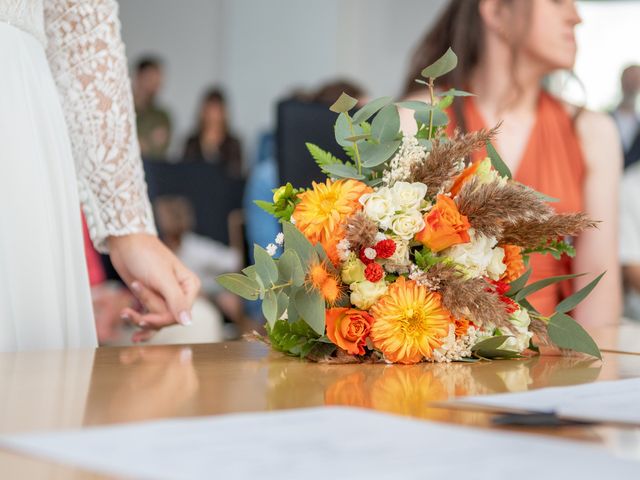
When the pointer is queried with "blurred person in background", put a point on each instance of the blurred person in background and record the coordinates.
(505, 49)
(630, 239)
(205, 257)
(153, 121)
(212, 140)
(626, 115)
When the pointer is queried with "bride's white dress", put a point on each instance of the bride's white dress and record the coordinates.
(64, 95)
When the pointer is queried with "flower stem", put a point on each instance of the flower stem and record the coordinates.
(355, 145)
(433, 99)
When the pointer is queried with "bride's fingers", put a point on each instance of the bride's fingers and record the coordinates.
(147, 297)
(154, 321)
(189, 282)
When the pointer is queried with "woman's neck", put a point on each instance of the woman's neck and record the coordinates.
(502, 87)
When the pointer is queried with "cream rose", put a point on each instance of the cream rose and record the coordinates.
(406, 225)
(496, 267)
(378, 206)
(365, 294)
(475, 256)
(398, 262)
(408, 196)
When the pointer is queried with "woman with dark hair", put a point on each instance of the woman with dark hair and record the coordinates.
(212, 142)
(505, 49)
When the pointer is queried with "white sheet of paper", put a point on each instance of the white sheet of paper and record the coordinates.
(615, 401)
(316, 444)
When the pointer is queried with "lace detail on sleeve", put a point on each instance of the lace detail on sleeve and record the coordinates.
(87, 60)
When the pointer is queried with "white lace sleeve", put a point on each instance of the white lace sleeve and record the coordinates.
(88, 62)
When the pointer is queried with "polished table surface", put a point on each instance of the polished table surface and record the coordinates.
(71, 389)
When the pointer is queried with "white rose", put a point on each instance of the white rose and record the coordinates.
(496, 267)
(365, 294)
(474, 256)
(406, 225)
(520, 319)
(518, 340)
(399, 261)
(378, 206)
(408, 196)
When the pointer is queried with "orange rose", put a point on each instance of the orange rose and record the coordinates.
(466, 175)
(349, 328)
(462, 326)
(444, 226)
(514, 262)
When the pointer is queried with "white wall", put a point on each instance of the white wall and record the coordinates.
(260, 49)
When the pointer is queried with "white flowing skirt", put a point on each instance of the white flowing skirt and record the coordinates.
(45, 301)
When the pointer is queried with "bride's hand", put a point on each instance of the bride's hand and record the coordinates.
(160, 281)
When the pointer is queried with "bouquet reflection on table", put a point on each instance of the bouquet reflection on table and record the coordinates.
(409, 389)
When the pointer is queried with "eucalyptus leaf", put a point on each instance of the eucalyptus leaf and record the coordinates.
(490, 343)
(386, 125)
(413, 105)
(311, 307)
(445, 102)
(296, 241)
(519, 283)
(442, 66)
(366, 112)
(270, 307)
(565, 332)
(455, 93)
(357, 138)
(428, 144)
(439, 117)
(343, 104)
(265, 266)
(343, 171)
(376, 154)
(240, 285)
(539, 285)
(572, 301)
(282, 301)
(290, 268)
(497, 161)
(343, 130)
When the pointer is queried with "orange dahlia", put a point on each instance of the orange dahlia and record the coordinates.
(324, 208)
(409, 322)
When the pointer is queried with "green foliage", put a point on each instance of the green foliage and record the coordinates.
(554, 247)
(497, 161)
(270, 306)
(572, 301)
(386, 124)
(240, 285)
(539, 285)
(377, 154)
(370, 109)
(322, 157)
(297, 339)
(295, 241)
(442, 66)
(519, 283)
(290, 269)
(565, 332)
(343, 104)
(343, 171)
(285, 199)
(425, 259)
(311, 307)
(452, 92)
(266, 267)
(490, 348)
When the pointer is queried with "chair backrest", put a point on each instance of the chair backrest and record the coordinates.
(299, 122)
(213, 193)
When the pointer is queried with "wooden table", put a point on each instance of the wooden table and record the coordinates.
(60, 390)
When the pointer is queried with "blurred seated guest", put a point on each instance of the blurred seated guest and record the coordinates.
(212, 141)
(630, 239)
(626, 116)
(153, 121)
(207, 258)
(505, 50)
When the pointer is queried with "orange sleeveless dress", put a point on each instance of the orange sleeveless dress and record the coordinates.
(553, 164)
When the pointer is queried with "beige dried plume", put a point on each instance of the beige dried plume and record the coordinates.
(532, 233)
(492, 207)
(441, 166)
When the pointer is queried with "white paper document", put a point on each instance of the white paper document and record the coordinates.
(612, 401)
(316, 444)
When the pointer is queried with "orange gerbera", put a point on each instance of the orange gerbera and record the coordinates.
(409, 322)
(322, 211)
(514, 262)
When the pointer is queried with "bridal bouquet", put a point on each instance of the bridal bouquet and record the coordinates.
(407, 253)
